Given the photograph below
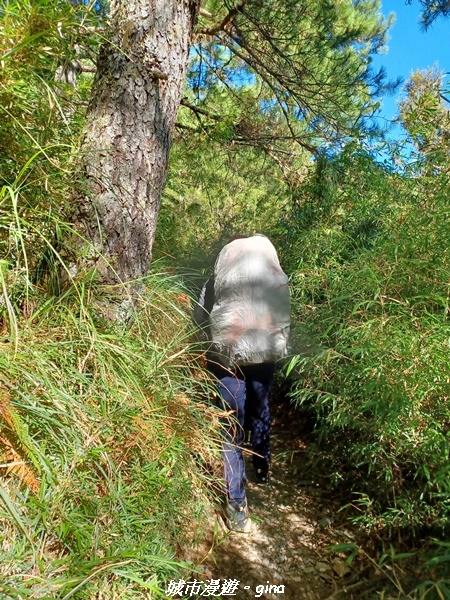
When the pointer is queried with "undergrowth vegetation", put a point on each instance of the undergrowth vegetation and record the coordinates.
(101, 428)
(104, 439)
(370, 275)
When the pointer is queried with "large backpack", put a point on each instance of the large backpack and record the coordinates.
(250, 318)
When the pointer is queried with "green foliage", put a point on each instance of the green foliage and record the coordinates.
(370, 280)
(432, 9)
(266, 86)
(38, 112)
(425, 116)
(105, 445)
(309, 60)
(215, 191)
(109, 426)
(40, 121)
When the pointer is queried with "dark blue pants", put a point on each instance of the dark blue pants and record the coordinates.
(246, 393)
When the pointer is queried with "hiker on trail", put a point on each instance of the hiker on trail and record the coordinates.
(245, 310)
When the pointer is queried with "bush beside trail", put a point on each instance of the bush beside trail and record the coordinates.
(370, 277)
(104, 447)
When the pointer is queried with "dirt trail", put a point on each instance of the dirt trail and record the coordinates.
(293, 525)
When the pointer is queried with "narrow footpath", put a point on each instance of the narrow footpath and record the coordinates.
(294, 522)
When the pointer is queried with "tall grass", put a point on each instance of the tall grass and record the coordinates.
(367, 253)
(104, 443)
(371, 284)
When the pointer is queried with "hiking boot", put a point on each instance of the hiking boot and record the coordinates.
(262, 475)
(261, 470)
(236, 515)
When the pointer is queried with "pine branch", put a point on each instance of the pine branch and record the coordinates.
(199, 111)
(224, 25)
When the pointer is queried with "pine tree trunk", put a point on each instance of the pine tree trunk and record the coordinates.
(128, 133)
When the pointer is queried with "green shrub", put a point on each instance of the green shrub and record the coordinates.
(105, 444)
(370, 284)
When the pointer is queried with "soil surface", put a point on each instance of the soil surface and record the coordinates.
(294, 522)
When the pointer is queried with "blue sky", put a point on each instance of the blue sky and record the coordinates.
(410, 48)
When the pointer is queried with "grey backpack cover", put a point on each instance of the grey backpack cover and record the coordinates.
(250, 318)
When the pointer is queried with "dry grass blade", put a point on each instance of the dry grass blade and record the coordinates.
(12, 457)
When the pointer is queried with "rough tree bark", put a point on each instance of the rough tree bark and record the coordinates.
(128, 133)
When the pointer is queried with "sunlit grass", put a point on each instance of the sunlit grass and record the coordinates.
(110, 425)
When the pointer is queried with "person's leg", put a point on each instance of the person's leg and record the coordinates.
(232, 398)
(258, 385)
